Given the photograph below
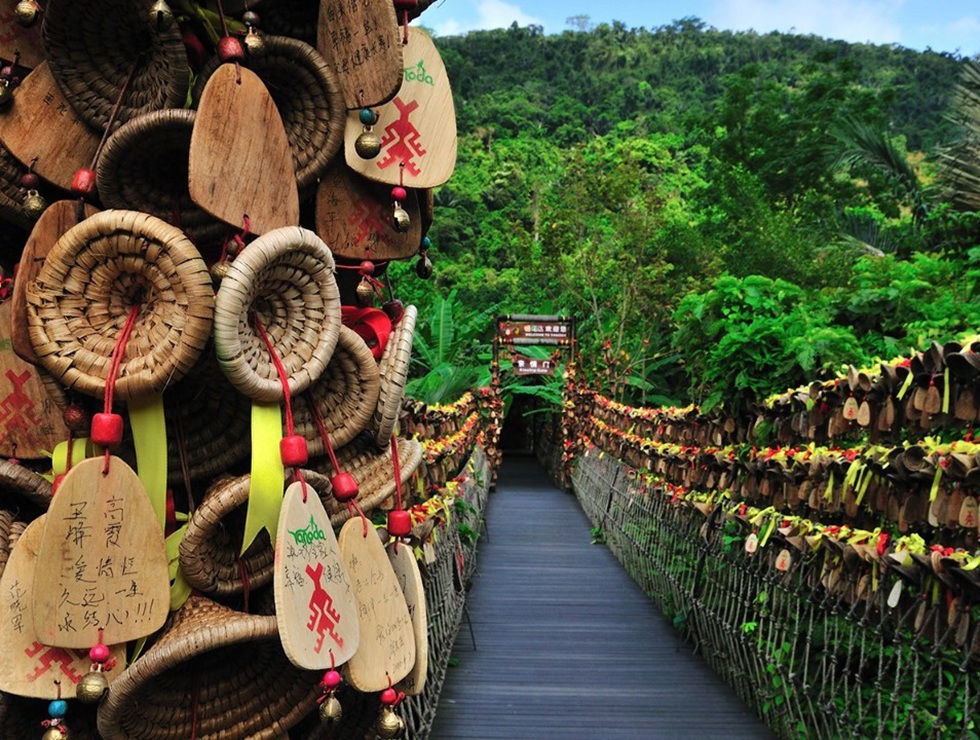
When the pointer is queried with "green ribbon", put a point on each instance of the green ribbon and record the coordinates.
(180, 589)
(266, 484)
(146, 416)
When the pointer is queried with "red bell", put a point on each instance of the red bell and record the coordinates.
(344, 487)
(83, 182)
(399, 523)
(293, 451)
(107, 429)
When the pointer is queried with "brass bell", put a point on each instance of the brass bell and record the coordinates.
(423, 268)
(367, 145)
(57, 732)
(27, 12)
(91, 688)
(161, 16)
(401, 220)
(365, 293)
(6, 95)
(34, 204)
(330, 710)
(389, 724)
(254, 44)
(219, 270)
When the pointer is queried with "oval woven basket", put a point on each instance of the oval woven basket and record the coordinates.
(19, 485)
(214, 673)
(308, 97)
(285, 278)
(345, 395)
(294, 18)
(394, 374)
(143, 167)
(89, 283)
(91, 48)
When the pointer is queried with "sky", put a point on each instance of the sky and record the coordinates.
(942, 25)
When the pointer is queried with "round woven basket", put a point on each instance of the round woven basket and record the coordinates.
(85, 291)
(11, 199)
(286, 279)
(214, 673)
(19, 485)
(346, 395)
(308, 97)
(91, 48)
(394, 374)
(294, 18)
(208, 424)
(209, 550)
(143, 167)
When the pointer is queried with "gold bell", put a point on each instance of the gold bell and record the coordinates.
(389, 724)
(401, 219)
(161, 16)
(330, 710)
(34, 204)
(26, 13)
(365, 293)
(219, 270)
(367, 145)
(254, 44)
(55, 733)
(91, 688)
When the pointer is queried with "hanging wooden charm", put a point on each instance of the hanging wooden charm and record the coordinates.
(417, 129)
(42, 130)
(315, 605)
(101, 562)
(362, 42)
(240, 163)
(354, 216)
(386, 652)
(410, 579)
(30, 668)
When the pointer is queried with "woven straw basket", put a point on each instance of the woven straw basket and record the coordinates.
(308, 96)
(11, 528)
(11, 210)
(345, 395)
(214, 673)
(286, 278)
(91, 48)
(143, 167)
(83, 295)
(19, 486)
(394, 374)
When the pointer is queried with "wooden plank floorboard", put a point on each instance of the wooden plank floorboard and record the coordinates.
(567, 645)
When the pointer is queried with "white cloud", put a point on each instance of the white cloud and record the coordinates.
(859, 21)
(489, 14)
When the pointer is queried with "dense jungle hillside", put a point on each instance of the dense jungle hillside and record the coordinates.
(727, 214)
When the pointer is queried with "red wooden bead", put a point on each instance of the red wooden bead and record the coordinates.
(75, 418)
(399, 523)
(30, 181)
(398, 193)
(293, 451)
(99, 653)
(366, 268)
(331, 680)
(83, 182)
(389, 696)
(107, 429)
(344, 487)
(230, 49)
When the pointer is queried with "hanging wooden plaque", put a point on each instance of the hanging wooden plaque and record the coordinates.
(30, 420)
(14, 39)
(315, 605)
(361, 41)
(101, 562)
(410, 579)
(30, 668)
(354, 217)
(240, 163)
(417, 128)
(387, 645)
(42, 128)
(50, 227)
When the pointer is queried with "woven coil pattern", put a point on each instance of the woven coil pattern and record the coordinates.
(92, 46)
(90, 281)
(143, 167)
(10, 195)
(294, 18)
(215, 673)
(394, 374)
(286, 279)
(19, 485)
(346, 395)
(209, 551)
(308, 97)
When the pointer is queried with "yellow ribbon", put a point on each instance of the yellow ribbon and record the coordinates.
(146, 416)
(266, 484)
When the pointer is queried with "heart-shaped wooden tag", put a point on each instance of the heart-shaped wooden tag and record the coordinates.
(240, 163)
(102, 562)
(417, 128)
(410, 579)
(30, 668)
(386, 653)
(42, 129)
(315, 605)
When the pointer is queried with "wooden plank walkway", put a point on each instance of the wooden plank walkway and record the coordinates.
(568, 646)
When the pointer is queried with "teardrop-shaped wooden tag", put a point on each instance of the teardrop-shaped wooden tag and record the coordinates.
(864, 414)
(784, 561)
(362, 43)
(937, 510)
(964, 407)
(895, 594)
(963, 629)
(387, 643)
(953, 508)
(42, 124)
(30, 421)
(886, 416)
(417, 128)
(752, 543)
(315, 604)
(850, 408)
(101, 562)
(968, 513)
(30, 668)
(918, 399)
(410, 579)
(50, 227)
(933, 402)
(239, 162)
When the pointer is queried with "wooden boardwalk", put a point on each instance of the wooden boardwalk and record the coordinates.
(568, 646)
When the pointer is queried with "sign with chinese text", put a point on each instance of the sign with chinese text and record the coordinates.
(524, 365)
(554, 331)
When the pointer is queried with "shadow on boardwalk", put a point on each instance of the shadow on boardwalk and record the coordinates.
(568, 646)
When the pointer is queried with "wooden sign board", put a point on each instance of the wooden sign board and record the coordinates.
(315, 605)
(354, 217)
(240, 162)
(417, 128)
(57, 218)
(30, 420)
(101, 562)
(544, 331)
(30, 668)
(410, 579)
(15, 38)
(387, 644)
(361, 41)
(41, 124)
(524, 365)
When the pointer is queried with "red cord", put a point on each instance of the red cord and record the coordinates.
(118, 351)
(280, 371)
(398, 472)
(246, 582)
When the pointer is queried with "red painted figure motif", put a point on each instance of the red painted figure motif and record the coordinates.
(401, 140)
(367, 221)
(18, 415)
(49, 657)
(323, 617)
